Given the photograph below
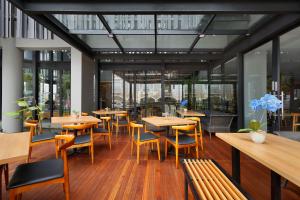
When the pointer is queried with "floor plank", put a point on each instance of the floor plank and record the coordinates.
(115, 174)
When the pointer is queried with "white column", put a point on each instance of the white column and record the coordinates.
(76, 80)
(12, 83)
(82, 82)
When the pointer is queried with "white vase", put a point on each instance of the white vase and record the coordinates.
(258, 137)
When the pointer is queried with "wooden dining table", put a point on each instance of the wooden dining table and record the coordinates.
(74, 119)
(14, 147)
(109, 112)
(190, 113)
(279, 154)
(167, 122)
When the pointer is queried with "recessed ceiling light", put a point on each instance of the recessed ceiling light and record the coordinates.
(110, 35)
(201, 35)
(248, 34)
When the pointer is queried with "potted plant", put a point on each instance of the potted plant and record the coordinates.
(268, 103)
(28, 110)
(183, 105)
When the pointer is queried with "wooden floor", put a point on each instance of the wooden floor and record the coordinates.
(115, 174)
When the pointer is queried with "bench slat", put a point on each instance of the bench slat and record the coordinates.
(210, 182)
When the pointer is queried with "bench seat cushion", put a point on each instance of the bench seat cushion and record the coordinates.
(146, 136)
(81, 139)
(43, 137)
(182, 139)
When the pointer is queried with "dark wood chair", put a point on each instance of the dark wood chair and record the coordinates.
(38, 139)
(103, 131)
(37, 174)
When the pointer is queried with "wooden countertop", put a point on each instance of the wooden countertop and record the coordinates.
(74, 119)
(277, 153)
(190, 113)
(167, 121)
(14, 147)
(109, 112)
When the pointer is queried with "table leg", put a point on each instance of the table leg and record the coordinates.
(236, 168)
(275, 186)
(1, 169)
(186, 189)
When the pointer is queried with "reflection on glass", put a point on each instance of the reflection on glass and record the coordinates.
(118, 92)
(44, 89)
(28, 82)
(201, 96)
(66, 92)
(106, 89)
(56, 93)
(223, 98)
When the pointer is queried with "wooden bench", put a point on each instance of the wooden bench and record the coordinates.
(208, 180)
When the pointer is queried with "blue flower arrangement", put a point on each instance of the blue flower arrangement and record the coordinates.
(268, 102)
(184, 103)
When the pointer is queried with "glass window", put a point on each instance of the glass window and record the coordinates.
(106, 78)
(257, 77)
(175, 41)
(133, 24)
(28, 82)
(215, 41)
(117, 91)
(137, 41)
(290, 74)
(99, 41)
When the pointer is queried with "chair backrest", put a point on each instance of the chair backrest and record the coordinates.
(185, 128)
(84, 114)
(122, 115)
(198, 120)
(221, 121)
(32, 128)
(66, 141)
(133, 127)
(106, 121)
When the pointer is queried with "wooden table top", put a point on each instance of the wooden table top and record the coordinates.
(277, 153)
(190, 113)
(14, 147)
(73, 119)
(109, 112)
(167, 121)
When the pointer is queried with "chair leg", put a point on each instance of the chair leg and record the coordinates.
(92, 153)
(6, 175)
(12, 195)
(197, 151)
(138, 153)
(158, 149)
(19, 196)
(29, 154)
(189, 150)
(210, 135)
(67, 188)
(176, 150)
(109, 141)
(131, 147)
(117, 130)
(166, 149)
(201, 140)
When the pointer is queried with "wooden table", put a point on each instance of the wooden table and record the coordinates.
(190, 113)
(74, 119)
(279, 154)
(167, 121)
(108, 112)
(14, 147)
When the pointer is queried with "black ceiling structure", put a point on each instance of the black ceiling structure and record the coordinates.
(166, 31)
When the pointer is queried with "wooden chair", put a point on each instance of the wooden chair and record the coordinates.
(84, 114)
(38, 139)
(31, 175)
(142, 138)
(122, 120)
(104, 131)
(199, 133)
(296, 122)
(3, 169)
(81, 140)
(182, 141)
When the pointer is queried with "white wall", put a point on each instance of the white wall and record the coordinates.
(12, 83)
(82, 82)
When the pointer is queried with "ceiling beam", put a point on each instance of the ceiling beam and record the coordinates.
(159, 7)
(202, 31)
(198, 57)
(114, 37)
(52, 24)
